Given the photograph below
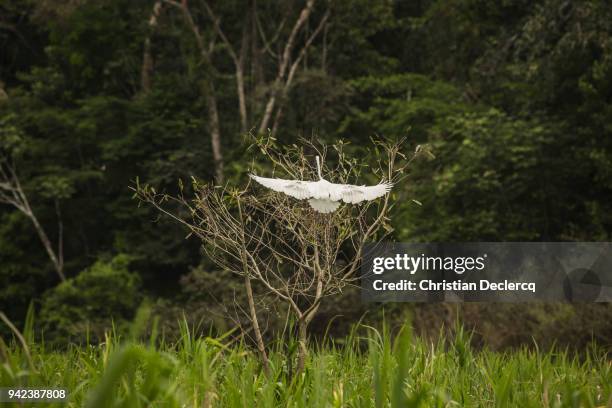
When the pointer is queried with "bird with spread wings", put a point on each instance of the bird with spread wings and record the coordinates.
(323, 196)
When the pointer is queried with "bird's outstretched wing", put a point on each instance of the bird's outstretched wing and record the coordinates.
(323, 192)
(295, 188)
(356, 194)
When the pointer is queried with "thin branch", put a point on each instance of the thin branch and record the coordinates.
(267, 43)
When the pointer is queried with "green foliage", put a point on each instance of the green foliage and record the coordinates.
(493, 178)
(399, 105)
(200, 284)
(87, 304)
(11, 138)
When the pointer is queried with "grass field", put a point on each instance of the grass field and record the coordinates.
(367, 369)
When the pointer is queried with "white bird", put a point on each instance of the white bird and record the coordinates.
(322, 195)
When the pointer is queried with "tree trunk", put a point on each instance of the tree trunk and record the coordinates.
(256, 69)
(256, 329)
(241, 96)
(147, 67)
(215, 131)
(240, 61)
(146, 72)
(302, 345)
(57, 263)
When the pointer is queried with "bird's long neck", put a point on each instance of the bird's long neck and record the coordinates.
(319, 168)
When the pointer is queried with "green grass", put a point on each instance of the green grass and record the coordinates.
(370, 369)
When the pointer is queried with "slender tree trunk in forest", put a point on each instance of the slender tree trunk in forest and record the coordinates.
(256, 69)
(146, 72)
(242, 98)
(147, 67)
(214, 131)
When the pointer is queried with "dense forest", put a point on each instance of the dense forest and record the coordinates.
(508, 103)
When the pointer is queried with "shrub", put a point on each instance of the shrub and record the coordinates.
(85, 306)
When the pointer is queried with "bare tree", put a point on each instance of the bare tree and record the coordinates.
(299, 256)
(286, 38)
(12, 193)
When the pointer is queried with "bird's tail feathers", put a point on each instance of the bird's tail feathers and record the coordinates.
(324, 206)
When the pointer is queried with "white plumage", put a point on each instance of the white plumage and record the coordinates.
(322, 195)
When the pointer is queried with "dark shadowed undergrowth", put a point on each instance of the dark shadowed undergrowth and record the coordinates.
(372, 368)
